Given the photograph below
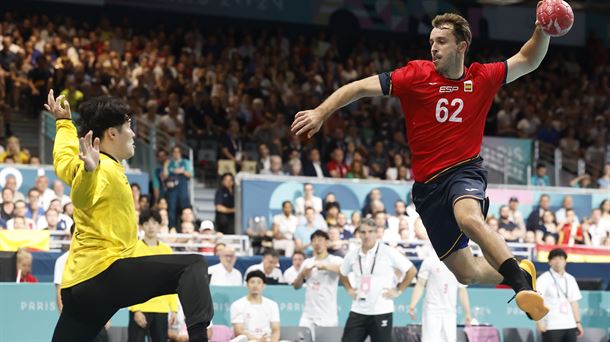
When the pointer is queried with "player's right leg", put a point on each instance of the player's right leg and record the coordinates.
(81, 319)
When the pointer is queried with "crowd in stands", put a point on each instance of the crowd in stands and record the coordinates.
(242, 87)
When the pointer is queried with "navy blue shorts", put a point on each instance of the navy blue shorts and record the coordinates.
(435, 198)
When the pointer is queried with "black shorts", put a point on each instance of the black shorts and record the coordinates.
(435, 198)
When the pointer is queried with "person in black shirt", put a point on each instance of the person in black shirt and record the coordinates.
(224, 202)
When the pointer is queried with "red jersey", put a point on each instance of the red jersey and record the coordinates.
(445, 118)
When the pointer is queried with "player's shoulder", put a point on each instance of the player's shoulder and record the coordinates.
(269, 302)
(334, 258)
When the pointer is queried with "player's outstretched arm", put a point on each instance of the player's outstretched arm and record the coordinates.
(65, 147)
(309, 121)
(530, 56)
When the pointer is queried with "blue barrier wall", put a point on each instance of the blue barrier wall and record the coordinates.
(26, 177)
(29, 313)
(44, 263)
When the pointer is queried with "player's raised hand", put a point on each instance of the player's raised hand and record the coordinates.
(307, 122)
(59, 107)
(89, 151)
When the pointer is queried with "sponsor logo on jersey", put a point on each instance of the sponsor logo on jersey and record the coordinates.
(448, 89)
(468, 87)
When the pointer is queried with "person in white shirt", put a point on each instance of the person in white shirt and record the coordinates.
(439, 312)
(373, 265)
(292, 272)
(321, 274)
(560, 215)
(58, 189)
(46, 194)
(316, 202)
(224, 273)
(255, 316)
(561, 294)
(284, 227)
(269, 267)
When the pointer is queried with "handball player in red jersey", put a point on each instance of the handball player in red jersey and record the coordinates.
(445, 104)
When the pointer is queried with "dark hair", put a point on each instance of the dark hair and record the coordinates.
(320, 233)
(136, 185)
(298, 252)
(557, 252)
(256, 274)
(32, 190)
(148, 214)
(540, 165)
(286, 202)
(461, 28)
(101, 113)
(272, 252)
(330, 205)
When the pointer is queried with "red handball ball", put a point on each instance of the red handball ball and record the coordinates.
(555, 17)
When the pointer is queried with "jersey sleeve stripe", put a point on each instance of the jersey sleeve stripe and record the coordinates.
(505, 71)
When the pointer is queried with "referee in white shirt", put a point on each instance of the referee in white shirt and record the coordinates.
(373, 265)
(561, 294)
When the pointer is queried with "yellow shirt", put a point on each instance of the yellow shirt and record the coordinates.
(160, 304)
(104, 212)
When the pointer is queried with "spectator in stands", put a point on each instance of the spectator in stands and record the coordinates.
(24, 267)
(254, 316)
(276, 167)
(284, 228)
(595, 153)
(225, 273)
(207, 237)
(308, 196)
(218, 248)
(560, 214)
(295, 167)
(151, 318)
(354, 221)
(71, 93)
(378, 160)
(303, 233)
(7, 208)
(187, 215)
(541, 178)
(19, 221)
(400, 212)
(15, 152)
(34, 212)
(232, 144)
(344, 233)
(312, 167)
(158, 177)
(547, 233)
(173, 121)
(604, 181)
(46, 194)
(534, 220)
(357, 170)
(514, 214)
(583, 182)
(10, 182)
(392, 172)
(225, 205)
(336, 245)
(178, 172)
(269, 266)
(331, 211)
(507, 228)
(561, 294)
(58, 189)
(51, 220)
(291, 273)
(374, 195)
(571, 233)
(264, 159)
(597, 229)
(336, 167)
